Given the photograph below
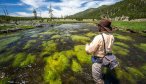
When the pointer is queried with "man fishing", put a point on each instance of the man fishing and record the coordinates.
(101, 48)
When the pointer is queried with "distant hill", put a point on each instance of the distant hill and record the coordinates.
(134, 9)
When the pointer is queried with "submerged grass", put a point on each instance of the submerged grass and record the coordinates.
(5, 42)
(141, 46)
(80, 39)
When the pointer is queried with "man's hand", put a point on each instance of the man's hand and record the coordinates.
(86, 48)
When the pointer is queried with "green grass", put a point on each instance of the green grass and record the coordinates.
(26, 26)
(4, 27)
(136, 26)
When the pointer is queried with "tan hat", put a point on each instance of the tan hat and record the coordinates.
(106, 24)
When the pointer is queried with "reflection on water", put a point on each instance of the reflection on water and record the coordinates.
(55, 54)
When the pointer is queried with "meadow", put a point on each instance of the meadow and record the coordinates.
(133, 25)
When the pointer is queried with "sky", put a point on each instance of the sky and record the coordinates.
(61, 8)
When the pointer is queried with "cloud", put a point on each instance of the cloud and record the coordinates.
(22, 14)
(64, 7)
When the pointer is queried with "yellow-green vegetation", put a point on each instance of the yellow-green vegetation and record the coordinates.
(82, 56)
(122, 37)
(18, 59)
(5, 42)
(91, 34)
(29, 43)
(121, 44)
(4, 80)
(120, 50)
(29, 60)
(143, 69)
(4, 27)
(76, 67)
(48, 33)
(123, 75)
(55, 65)
(80, 39)
(141, 46)
(49, 47)
(136, 74)
(136, 26)
(5, 58)
(69, 53)
(25, 26)
(56, 37)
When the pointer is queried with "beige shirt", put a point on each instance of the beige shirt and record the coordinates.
(97, 45)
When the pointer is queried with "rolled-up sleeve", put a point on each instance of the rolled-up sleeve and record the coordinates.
(92, 47)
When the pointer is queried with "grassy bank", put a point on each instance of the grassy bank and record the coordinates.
(136, 26)
(7, 27)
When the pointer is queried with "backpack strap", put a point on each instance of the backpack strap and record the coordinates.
(104, 45)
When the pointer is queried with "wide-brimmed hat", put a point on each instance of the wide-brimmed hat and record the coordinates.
(106, 24)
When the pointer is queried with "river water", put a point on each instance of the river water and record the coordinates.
(25, 56)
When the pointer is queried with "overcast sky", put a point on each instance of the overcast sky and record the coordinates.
(60, 7)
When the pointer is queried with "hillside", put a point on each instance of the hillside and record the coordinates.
(134, 9)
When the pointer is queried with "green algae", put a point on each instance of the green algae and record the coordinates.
(121, 44)
(80, 39)
(55, 65)
(90, 34)
(123, 75)
(143, 69)
(76, 67)
(82, 56)
(18, 59)
(56, 37)
(29, 43)
(6, 58)
(5, 42)
(136, 74)
(120, 50)
(141, 46)
(122, 37)
(29, 60)
(48, 47)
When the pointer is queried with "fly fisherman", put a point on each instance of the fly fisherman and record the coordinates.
(101, 48)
